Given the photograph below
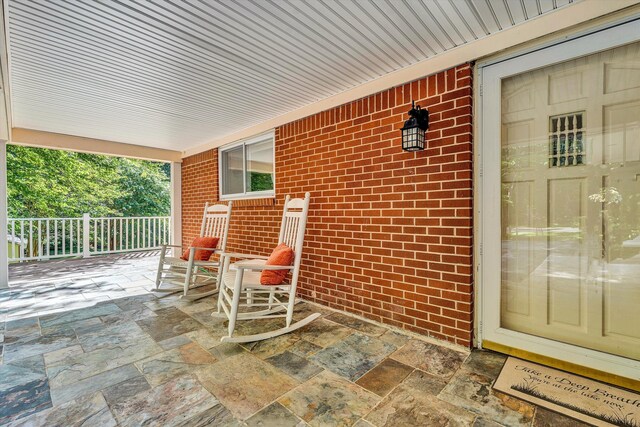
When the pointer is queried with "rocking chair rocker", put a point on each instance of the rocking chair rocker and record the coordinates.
(244, 281)
(187, 274)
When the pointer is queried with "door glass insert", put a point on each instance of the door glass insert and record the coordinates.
(566, 140)
(570, 196)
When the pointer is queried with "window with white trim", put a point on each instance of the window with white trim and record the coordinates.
(247, 168)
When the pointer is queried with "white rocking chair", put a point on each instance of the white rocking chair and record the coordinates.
(185, 276)
(244, 280)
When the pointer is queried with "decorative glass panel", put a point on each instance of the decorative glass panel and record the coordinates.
(566, 140)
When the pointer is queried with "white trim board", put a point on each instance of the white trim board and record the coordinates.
(37, 138)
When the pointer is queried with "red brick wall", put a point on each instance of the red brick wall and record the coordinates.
(199, 186)
(389, 235)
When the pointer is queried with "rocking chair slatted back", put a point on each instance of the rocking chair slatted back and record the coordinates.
(294, 222)
(215, 222)
(294, 215)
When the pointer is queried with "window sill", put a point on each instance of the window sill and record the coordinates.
(255, 201)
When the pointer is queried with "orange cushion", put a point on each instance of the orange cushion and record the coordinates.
(281, 255)
(201, 254)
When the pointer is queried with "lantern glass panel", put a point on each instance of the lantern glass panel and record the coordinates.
(413, 139)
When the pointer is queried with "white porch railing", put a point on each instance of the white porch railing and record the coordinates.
(48, 238)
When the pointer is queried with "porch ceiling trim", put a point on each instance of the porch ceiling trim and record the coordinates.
(543, 25)
(37, 138)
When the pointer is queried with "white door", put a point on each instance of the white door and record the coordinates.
(568, 255)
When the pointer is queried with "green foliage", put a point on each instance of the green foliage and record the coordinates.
(145, 188)
(55, 183)
(260, 181)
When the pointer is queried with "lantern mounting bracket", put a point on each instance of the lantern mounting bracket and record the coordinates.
(421, 115)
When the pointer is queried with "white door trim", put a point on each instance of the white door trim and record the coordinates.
(488, 244)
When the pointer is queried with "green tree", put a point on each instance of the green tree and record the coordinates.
(56, 183)
(145, 188)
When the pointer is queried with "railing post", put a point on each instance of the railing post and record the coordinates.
(86, 250)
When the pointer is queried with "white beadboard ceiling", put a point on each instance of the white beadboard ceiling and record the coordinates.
(177, 74)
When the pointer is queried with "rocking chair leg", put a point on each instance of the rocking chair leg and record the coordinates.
(219, 276)
(249, 298)
(237, 288)
(188, 273)
(292, 303)
(271, 298)
(224, 266)
(160, 269)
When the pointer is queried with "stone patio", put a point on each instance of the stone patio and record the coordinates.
(85, 343)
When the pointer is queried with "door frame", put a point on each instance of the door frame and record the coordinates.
(487, 200)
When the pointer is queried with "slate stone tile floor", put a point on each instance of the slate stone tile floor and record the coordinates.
(84, 342)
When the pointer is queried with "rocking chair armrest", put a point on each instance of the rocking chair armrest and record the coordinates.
(248, 266)
(194, 247)
(238, 255)
(206, 249)
(164, 248)
(248, 262)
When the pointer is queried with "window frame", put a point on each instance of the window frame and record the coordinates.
(244, 143)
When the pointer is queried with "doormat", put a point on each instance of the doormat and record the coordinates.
(574, 396)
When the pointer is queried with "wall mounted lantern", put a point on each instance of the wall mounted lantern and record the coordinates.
(414, 129)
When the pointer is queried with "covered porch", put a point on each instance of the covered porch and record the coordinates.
(255, 101)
